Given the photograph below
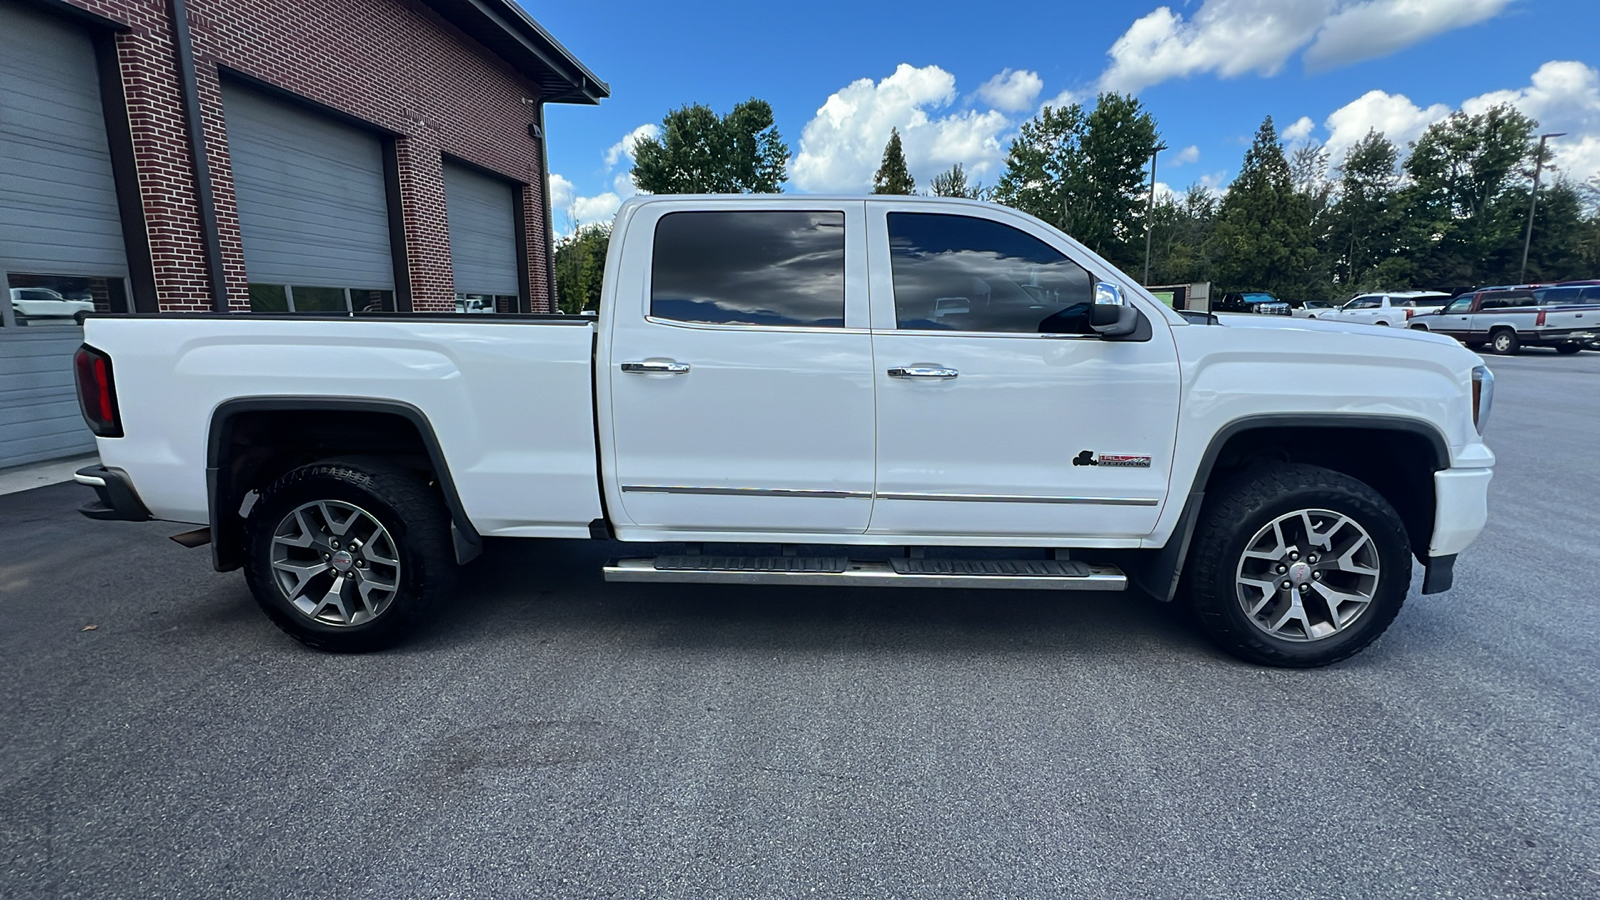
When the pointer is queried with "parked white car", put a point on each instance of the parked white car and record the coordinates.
(41, 303)
(964, 379)
(1393, 309)
(1310, 309)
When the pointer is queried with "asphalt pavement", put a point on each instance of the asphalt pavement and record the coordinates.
(557, 736)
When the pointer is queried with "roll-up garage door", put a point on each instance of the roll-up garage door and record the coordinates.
(312, 206)
(61, 245)
(483, 232)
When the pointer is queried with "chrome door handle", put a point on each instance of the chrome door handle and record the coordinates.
(656, 367)
(922, 372)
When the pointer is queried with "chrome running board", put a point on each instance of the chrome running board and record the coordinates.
(1040, 575)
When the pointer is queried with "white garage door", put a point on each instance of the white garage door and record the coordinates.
(61, 245)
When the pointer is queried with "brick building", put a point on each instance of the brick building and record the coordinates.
(238, 156)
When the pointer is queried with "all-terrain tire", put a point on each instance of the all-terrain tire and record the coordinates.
(414, 554)
(1241, 510)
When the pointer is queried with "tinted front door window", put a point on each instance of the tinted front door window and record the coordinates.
(960, 273)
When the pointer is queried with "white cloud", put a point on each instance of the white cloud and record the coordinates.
(843, 144)
(1392, 115)
(1185, 156)
(1231, 38)
(573, 211)
(1012, 91)
(1379, 27)
(1300, 131)
(1228, 37)
(1565, 97)
(624, 148)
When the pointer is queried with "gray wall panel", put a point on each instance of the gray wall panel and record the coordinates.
(39, 416)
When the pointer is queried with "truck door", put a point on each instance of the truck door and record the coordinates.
(1001, 415)
(1455, 319)
(738, 392)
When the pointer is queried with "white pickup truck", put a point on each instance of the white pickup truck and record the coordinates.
(901, 391)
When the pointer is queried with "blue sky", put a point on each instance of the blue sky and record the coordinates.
(959, 80)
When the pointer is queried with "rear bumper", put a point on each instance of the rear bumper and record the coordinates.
(115, 498)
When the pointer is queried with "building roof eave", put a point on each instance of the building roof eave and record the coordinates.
(506, 28)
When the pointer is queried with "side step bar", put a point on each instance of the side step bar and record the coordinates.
(1042, 575)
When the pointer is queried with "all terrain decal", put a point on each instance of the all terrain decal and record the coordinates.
(1114, 460)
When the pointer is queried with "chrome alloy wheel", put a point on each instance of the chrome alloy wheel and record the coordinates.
(1307, 575)
(335, 562)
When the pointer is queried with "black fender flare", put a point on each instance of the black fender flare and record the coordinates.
(223, 498)
(1157, 571)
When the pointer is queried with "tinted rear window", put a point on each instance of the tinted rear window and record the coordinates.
(756, 267)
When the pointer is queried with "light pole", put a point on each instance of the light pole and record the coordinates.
(1533, 204)
(1149, 210)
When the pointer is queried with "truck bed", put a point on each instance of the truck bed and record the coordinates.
(509, 399)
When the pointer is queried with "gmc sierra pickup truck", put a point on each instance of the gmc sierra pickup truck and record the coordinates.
(803, 390)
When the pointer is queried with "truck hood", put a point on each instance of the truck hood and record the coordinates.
(1245, 320)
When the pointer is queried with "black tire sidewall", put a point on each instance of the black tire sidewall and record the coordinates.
(391, 496)
(1217, 551)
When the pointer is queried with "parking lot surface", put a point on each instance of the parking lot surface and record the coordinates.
(553, 735)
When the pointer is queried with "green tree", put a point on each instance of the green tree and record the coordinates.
(953, 183)
(1456, 229)
(1180, 237)
(1262, 240)
(700, 152)
(1044, 167)
(892, 176)
(580, 263)
(1119, 137)
(1363, 229)
(1085, 173)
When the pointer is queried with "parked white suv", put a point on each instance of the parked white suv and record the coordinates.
(1393, 309)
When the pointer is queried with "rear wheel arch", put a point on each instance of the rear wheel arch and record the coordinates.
(249, 446)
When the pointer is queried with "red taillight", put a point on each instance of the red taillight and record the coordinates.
(1409, 313)
(1541, 317)
(97, 396)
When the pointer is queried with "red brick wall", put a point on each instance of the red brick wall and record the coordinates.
(393, 63)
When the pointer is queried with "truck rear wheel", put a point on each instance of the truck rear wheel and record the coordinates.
(1568, 348)
(1505, 342)
(349, 556)
(1297, 566)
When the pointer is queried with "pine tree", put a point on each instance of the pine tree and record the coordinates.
(1262, 239)
(953, 183)
(892, 176)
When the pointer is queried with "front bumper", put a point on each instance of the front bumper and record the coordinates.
(115, 499)
(1461, 509)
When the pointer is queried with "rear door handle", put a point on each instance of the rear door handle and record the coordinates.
(922, 372)
(656, 367)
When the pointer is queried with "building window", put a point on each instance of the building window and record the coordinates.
(486, 303)
(299, 298)
(56, 299)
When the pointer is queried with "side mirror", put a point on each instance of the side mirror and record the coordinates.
(1110, 315)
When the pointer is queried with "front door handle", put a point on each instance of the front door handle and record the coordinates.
(656, 367)
(922, 372)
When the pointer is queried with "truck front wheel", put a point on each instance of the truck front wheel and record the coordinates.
(1297, 566)
(348, 556)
